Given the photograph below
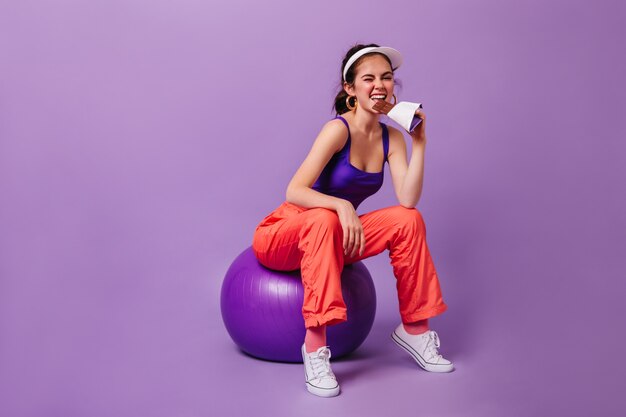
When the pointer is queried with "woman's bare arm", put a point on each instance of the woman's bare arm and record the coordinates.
(331, 139)
(408, 180)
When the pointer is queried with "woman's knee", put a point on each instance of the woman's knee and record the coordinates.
(410, 218)
(321, 217)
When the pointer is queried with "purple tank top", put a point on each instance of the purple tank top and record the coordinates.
(340, 178)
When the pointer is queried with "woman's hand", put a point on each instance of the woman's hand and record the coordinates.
(353, 235)
(419, 134)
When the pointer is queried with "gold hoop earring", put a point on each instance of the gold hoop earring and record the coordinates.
(351, 108)
(395, 100)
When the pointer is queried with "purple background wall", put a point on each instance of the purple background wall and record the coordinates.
(142, 141)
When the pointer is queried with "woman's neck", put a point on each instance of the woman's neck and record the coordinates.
(364, 121)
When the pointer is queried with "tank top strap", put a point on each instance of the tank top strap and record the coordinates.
(385, 140)
(345, 122)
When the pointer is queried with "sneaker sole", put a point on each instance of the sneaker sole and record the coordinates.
(323, 392)
(430, 367)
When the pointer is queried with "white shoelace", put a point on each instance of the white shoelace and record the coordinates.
(432, 345)
(320, 364)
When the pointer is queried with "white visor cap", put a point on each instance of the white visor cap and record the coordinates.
(393, 54)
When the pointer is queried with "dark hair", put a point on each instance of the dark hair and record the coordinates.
(340, 100)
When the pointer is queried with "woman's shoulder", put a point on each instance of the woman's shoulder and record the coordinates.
(337, 123)
(392, 130)
(396, 139)
(393, 134)
(335, 133)
(336, 127)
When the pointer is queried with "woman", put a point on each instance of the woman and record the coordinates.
(318, 231)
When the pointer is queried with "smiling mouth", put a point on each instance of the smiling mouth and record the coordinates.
(378, 97)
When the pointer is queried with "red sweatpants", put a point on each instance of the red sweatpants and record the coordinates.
(311, 239)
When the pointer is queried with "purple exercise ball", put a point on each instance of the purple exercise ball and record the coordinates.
(262, 309)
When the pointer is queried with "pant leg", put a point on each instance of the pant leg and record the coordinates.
(294, 237)
(402, 231)
(310, 239)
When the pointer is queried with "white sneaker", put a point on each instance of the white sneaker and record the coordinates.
(320, 379)
(423, 348)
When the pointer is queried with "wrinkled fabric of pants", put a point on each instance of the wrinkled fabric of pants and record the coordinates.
(311, 239)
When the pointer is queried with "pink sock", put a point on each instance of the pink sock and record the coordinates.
(418, 327)
(315, 338)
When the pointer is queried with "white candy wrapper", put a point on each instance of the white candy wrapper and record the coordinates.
(403, 113)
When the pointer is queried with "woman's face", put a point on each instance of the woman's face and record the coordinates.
(373, 81)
